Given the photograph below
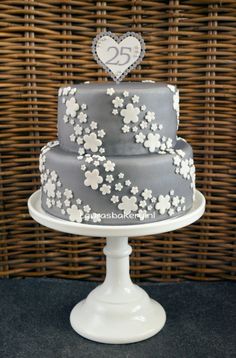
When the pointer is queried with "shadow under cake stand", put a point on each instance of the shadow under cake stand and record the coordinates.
(117, 311)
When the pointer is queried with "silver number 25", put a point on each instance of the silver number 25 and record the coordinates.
(124, 51)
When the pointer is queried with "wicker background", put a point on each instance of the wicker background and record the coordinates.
(45, 44)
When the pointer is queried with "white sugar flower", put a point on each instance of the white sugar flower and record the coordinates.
(142, 214)
(59, 204)
(143, 124)
(115, 199)
(109, 178)
(105, 189)
(50, 188)
(125, 128)
(143, 108)
(125, 93)
(118, 102)
(135, 129)
(87, 208)
(66, 90)
(78, 129)
(130, 114)
(143, 203)
(169, 143)
(135, 99)
(147, 194)
(72, 137)
(88, 159)
(176, 102)
(150, 116)
(134, 190)
(177, 160)
(184, 168)
(175, 201)
(152, 142)
(82, 117)
(128, 182)
(81, 151)
(118, 187)
(67, 202)
(92, 142)
(139, 138)
(109, 166)
(163, 204)
(75, 214)
(71, 107)
(115, 112)
(128, 204)
(101, 133)
(54, 175)
(79, 140)
(110, 91)
(171, 212)
(48, 203)
(83, 106)
(93, 179)
(121, 175)
(154, 127)
(93, 125)
(96, 217)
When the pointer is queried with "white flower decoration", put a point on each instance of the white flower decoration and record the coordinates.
(50, 188)
(93, 179)
(175, 201)
(115, 199)
(101, 133)
(135, 99)
(147, 194)
(87, 208)
(109, 178)
(54, 175)
(128, 182)
(110, 91)
(109, 166)
(154, 127)
(75, 214)
(118, 102)
(115, 112)
(126, 94)
(105, 189)
(176, 103)
(143, 108)
(150, 116)
(93, 125)
(130, 114)
(143, 203)
(82, 117)
(135, 129)
(96, 217)
(78, 129)
(125, 128)
(48, 203)
(152, 142)
(139, 138)
(163, 204)
(121, 175)
(142, 214)
(143, 124)
(71, 107)
(134, 190)
(92, 142)
(118, 187)
(83, 106)
(128, 204)
(184, 168)
(177, 160)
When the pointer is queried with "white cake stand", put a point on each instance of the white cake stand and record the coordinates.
(117, 311)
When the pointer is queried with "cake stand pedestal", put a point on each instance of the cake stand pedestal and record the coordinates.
(117, 311)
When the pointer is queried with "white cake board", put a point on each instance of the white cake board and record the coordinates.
(117, 311)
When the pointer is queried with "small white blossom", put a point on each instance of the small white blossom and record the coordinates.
(67, 202)
(150, 116)
(154, 127)
(105, 189)
(143, 108)
(128, 182)
(114, 199)
(147, 194)
(152, 142)
(126, 94)
(92, 142)
(118, 187)
(130, 114)
(87, 208)
(83, 106)
(163, 204)
(81, 151)
(82, 117)
(121, 175)
(115, 112)
(125, 128)
(143, 203)
(101, 133)
(48, 203)
(93, 179)
(118, 102)
(139, 138)
(78, 129)
(143, 124)
(71, 107)
(75, 214)
(134, 190)
(135, 99)
(110, 91)
(128, 204)
(109, 178)
(59, 204)
(109, 166)
(135, 129)
(72, 138)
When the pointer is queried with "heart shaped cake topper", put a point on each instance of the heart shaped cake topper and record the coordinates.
(118, 55)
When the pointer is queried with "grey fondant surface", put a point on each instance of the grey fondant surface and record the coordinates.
(157, 97)
(153, 171)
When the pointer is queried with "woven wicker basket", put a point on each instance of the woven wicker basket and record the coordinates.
(45, 44)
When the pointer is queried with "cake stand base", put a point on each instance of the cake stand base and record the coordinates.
(117, 311)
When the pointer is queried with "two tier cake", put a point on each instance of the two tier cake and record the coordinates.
(117, 160)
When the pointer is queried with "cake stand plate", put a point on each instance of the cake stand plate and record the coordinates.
(117, 311)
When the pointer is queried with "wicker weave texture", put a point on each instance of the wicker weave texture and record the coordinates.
(45, 44)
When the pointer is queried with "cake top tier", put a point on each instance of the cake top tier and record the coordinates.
(129, 118)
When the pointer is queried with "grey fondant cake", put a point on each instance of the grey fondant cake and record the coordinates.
(117, 160)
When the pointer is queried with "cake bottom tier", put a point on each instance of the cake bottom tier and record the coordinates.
(117, 190)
